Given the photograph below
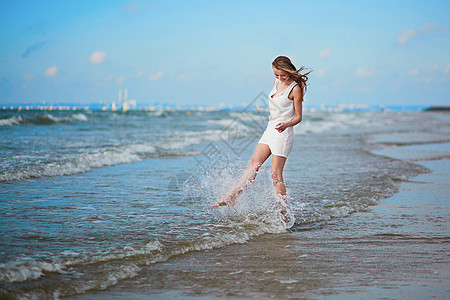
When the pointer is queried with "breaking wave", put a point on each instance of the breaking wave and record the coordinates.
(44, 119)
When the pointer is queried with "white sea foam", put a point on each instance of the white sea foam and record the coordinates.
(74, 117)
(80, 117)
(73, 164)
(314, 127)
(49, 118)
(251, 116)
(154, 246)
(182, 139)
(242, 121)
(16, 120)
(43, 119)
(85, 161)
(26, 268)
(222, 122)
(231, 231)
(118, 274)
(141, 148)
(131, 258)
(323, 121)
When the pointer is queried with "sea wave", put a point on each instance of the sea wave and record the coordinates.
(106, 267)
(26, 269)
(319, 122)
(10, 121)
(174, 144)
(44, 119)
(72, 164)
(183, 139)
(84, 162)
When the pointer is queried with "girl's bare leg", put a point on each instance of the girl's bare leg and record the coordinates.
(262, 152)
(278, 163)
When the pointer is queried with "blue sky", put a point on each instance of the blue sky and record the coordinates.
(211, 52)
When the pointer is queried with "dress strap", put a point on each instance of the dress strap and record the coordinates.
(290, 87)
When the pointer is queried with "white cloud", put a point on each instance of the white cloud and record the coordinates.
(406, 36)
(338, 82)
(156, 76)
(410, 34)
(326, 53)
(364, 72)
(434, 27)
(131, 7)
(447, 69)
(434, 68)
(320, 73)
(28, 76)
(429, 79)
(366, 89)
(183, 77)
(139, 5)
(414, 72)
(98, 57)
(249, 72)
(139, 74)
(120, 79)
(393, 88)
(52, 71)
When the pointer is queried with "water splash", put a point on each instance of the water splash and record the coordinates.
(257, 204)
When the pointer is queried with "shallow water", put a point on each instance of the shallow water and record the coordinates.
(92, 199)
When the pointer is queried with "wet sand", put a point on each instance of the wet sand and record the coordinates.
(399, 249)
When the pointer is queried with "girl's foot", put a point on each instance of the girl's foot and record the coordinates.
(283, 207)
(226, 201)
(285, 216)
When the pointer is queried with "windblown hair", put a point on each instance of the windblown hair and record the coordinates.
(284, 63)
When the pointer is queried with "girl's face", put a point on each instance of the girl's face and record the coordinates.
(281, 75)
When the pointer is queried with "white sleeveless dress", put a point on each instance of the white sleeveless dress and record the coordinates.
(281, 109)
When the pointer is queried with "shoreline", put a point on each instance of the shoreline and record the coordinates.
(392, 251)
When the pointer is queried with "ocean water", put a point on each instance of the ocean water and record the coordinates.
(90, 199)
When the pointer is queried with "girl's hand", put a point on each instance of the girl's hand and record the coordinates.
(280, 127)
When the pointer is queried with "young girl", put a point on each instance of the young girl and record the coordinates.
(285, 107)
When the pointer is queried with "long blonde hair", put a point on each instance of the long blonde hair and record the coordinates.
(284, 63)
